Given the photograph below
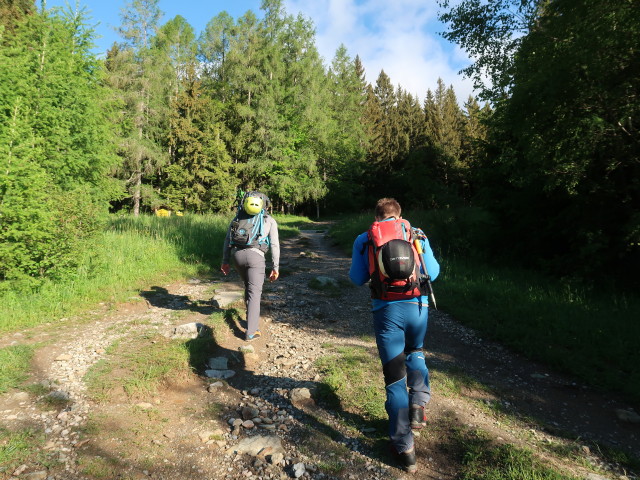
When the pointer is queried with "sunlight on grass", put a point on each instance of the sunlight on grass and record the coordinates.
(18, 447)
(139, 368)
(142, 366)
(349, 382)
(483, 460)
(15, 362)
(132, 253)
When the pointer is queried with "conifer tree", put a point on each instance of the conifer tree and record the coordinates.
(384, 142)
(444, 128)
(142, 78)
(411, 119)
(11, 13)
(54, 145)
(198, 178)
(214, 46)
(346, 146)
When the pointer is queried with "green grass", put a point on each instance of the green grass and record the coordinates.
(348, 384)
(16, 362)
(132, 253)
(590, 335)
(20, 447)
(585, 332)
(99, 467)
(145, 364)
(483, 460)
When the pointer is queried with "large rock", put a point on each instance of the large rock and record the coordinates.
(301, 396)
(222, 374)
(628, 416)
(189, 331)
(218, 363)
(259, 445)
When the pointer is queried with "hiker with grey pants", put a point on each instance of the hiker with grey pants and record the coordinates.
(249, 236)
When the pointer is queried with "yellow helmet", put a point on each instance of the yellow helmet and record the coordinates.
(252, 205)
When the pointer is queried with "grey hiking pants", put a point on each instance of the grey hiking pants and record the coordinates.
(250, 265)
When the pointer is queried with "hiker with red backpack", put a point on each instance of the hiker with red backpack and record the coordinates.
(398, 263)
(250, 235)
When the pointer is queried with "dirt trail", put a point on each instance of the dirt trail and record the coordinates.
(187, 430)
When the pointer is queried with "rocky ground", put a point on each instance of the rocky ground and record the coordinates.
(254, 411)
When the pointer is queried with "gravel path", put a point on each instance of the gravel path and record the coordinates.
(261, 422)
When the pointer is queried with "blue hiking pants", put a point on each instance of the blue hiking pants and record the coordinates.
(400, 329)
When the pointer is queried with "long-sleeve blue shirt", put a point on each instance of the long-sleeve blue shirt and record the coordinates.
(359, 271)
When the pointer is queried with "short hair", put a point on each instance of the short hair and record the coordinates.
(388, 207)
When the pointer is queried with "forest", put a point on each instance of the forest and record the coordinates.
(542, 168)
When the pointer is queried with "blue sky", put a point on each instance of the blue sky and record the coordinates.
(399, 36)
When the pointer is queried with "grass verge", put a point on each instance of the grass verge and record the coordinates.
(19, 447)
(16, 362)
(348, 383)
(484, 460)
(132, 253)
(142, 365)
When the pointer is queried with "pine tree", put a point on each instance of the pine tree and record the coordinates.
(11, 13)
(142, 77)
(214, 45)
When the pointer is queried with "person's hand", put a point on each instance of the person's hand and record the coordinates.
(274, 275)
(225, 268)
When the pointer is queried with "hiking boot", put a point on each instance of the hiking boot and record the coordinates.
(407, 459)
(255, 335)
(417, 417)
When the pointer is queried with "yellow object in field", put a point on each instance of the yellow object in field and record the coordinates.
(162, 212)
(179, 214)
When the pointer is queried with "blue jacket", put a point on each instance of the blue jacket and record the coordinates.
(359, 271)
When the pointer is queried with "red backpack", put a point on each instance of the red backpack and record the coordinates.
(394, 264)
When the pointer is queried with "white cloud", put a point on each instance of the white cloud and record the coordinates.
(398, 36)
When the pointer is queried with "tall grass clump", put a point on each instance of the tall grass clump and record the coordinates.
(575, 328)
(132, 253)
(126, 257)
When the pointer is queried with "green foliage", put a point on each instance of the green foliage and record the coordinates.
(141, 76)
(12, 12)
(198, 179)
(132, 254)
(491, 33)
(561, 165)
(54, 148)
(16, 363)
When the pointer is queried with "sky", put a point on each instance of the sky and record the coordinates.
(400, 37)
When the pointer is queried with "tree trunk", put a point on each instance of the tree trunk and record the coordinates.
(136, 194)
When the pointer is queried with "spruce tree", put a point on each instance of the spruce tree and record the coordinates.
(141, 76)
(54, 144)
(346, 145)
(384, 141)
(198, 177)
